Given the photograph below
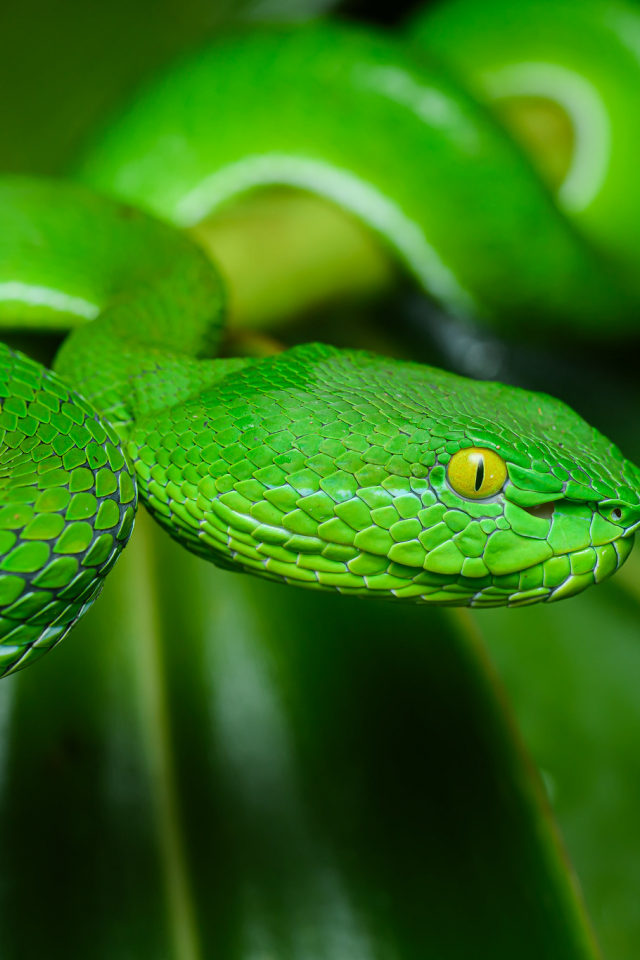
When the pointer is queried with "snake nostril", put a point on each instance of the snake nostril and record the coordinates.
(616, 514)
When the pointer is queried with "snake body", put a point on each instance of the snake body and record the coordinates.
(325, 468)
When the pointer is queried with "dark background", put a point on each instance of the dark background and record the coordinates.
(65, 63)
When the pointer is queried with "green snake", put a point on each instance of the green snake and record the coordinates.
(325, 468)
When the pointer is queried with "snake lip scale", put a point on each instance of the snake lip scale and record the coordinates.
(323, 468)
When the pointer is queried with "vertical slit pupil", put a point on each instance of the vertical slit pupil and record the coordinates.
(479, 474)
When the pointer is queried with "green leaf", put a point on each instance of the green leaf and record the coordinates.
(572, 671)
(214, 766)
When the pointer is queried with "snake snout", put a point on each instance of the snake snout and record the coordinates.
(624, 515)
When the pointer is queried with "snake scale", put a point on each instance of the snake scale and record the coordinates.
(326, 468)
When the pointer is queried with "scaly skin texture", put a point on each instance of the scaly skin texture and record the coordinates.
(327, 468)
(67, 497)
(318, 467)
(67, 504)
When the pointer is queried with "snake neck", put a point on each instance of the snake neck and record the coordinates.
(126, 382)
(155, 303)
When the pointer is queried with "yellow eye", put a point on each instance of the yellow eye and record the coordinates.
(476, 473)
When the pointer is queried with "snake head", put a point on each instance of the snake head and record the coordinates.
(569, 505)
(346, 471)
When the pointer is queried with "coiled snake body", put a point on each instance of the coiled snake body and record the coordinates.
(320, 467)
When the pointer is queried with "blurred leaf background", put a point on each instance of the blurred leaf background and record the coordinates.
(211, 766)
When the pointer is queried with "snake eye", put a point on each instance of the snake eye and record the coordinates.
(476, 473)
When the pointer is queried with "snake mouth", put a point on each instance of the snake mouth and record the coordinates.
(609, 557)
(557, 578)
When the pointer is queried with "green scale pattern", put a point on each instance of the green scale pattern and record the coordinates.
(327, 469)
(67, 507)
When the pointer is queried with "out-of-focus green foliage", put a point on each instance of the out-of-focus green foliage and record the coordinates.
(213, 766)
(573, 671)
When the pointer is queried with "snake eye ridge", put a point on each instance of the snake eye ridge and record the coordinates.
(476, 473)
